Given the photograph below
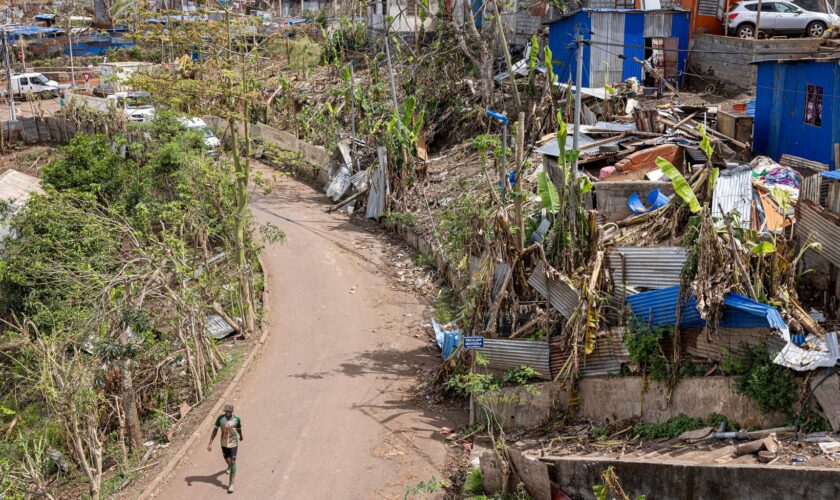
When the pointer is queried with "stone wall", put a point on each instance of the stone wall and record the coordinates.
(727, 58)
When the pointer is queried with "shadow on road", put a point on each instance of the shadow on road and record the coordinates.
(211, 479)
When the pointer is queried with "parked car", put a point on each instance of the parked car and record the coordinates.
(137, 106)
(34, 84)
(778, 18)
(210, 140)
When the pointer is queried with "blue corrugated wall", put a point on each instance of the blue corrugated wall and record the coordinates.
(680, 29)
(561, 38)
(634, 45)
(780, 126)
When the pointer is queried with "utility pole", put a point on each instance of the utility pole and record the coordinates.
(578, 82)
(353, 114)
(70, 41)
(574, 188)
(9, 96)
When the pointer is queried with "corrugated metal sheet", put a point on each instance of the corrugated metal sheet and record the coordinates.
(378, 187)
(733, 192)
(658, 24)
(834, 175)
(647, 267)
(17, 187)
(818, 224)
(659, 308)
(609, 354)
(634, 44)
(713, 345)
(814, 188)
(605, 63)
(562, 295)
(359, 180)
(507, 354)
(499, 274)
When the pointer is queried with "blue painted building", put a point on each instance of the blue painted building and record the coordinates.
(617, 36)
(797, 109)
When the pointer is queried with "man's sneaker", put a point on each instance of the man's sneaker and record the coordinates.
(230, 489)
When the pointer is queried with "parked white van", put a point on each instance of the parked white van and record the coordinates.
(210, 140)
(35, 84)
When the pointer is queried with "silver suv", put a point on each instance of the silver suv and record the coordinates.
(778, 18)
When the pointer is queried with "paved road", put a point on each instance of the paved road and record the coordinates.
(325, 409)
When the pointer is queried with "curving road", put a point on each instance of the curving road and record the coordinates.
(326, 408)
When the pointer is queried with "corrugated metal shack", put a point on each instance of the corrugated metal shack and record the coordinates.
(617, 36)
(798, 109)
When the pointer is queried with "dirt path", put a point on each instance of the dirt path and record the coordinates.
(326, 410)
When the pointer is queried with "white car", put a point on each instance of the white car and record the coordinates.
(778, 18)
(210, 140)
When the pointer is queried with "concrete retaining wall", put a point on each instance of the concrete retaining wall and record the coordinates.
(681, 481)
(615, 399)
(316, 155)
(728, 59)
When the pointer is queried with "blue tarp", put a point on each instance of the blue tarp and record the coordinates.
(833, 175)
(15, 31)
(45, 17)
(659, 308)
(97, 45)
(447, 340)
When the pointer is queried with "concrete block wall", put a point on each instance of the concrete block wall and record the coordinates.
(728, 58)
(611, 197)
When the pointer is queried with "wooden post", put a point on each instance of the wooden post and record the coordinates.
(758, 20)
(518, 201)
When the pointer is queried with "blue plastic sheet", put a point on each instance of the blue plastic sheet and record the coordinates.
(447, 340)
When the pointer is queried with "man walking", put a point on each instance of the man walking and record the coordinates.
(231, 427)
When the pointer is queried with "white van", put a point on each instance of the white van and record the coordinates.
(35, 84)
(210, 140)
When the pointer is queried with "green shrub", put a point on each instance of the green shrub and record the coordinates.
(474, 482)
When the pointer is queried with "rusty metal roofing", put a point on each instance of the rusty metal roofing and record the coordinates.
(507, 354)
(818, 224)
(561, 294)
(609, 354)
(647, 267)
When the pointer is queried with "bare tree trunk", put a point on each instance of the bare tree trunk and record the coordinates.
(132, 417)
(101, 16)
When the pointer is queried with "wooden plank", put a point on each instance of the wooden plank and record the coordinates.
(828, 396)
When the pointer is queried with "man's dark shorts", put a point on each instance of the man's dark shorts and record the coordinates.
(229, 452)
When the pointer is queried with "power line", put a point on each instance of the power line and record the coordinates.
(608, 44)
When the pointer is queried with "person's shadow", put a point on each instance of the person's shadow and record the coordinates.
(211, 479)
